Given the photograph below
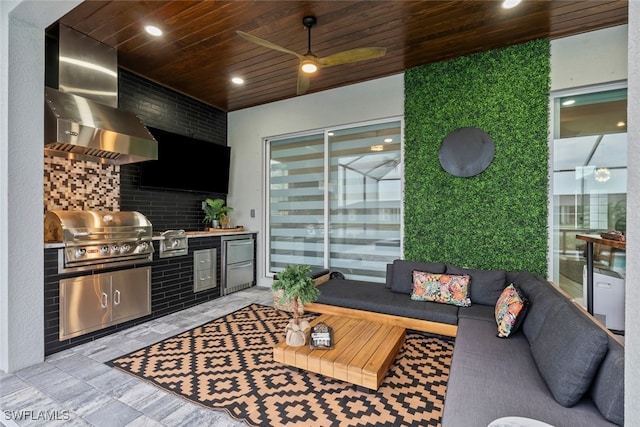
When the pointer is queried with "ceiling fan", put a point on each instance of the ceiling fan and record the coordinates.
(309, 62)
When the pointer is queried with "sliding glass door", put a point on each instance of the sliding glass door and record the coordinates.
(589, 180)
(296, 201)
(335, 199)
(364, 199)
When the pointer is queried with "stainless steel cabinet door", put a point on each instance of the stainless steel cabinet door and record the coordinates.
(92, 302)
(85, 305)
(204, 269)
(131, 290)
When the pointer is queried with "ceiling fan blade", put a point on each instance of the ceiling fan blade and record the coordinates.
(353, 55)
(266, 43)
(303, 83)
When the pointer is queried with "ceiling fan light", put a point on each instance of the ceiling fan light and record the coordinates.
(508, 4)
(309, 66)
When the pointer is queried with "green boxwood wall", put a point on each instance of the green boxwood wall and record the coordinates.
(498, 218)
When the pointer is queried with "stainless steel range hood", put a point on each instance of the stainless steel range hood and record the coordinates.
(81, 118)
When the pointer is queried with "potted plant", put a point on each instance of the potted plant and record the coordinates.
(295, 286)
(216, 212)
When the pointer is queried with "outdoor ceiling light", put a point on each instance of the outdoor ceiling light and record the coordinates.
(237, 80)
(309, 66)
(508, 4)
(153, 30)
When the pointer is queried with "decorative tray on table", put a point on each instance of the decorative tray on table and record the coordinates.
(321, 337)
(614, 235)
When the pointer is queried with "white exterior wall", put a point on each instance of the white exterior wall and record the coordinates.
(632, 320)
(21, 178)
(370, 100)
(589, 58)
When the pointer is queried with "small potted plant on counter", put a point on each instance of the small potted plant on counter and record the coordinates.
(216, 213)
(294, 285)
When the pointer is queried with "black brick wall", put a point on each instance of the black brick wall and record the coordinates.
(163, 108)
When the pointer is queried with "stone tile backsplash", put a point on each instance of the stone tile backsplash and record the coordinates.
(80, 185)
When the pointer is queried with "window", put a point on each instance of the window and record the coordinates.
(335, 199)
(589, 180)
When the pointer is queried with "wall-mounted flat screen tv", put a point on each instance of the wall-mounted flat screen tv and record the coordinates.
(187, 164)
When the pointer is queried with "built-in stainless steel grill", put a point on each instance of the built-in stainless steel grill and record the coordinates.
(95, 239)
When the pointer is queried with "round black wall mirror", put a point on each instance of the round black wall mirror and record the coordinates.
(466, 152)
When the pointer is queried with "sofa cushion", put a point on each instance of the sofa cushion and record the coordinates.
(376, 297)
(485, 286)
(403, 273)
(492, 378)
(542, 297)
(510, 309)
(478, 312)
(568, 351)
(442, 288)
(607, 390)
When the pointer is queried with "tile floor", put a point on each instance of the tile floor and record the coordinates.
(75, 387)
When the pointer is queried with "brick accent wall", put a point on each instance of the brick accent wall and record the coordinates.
(160, 107)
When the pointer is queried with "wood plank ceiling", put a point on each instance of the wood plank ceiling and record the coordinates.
(200, 50)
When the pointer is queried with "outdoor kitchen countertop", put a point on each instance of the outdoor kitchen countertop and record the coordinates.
(53, 245)
(190, 235)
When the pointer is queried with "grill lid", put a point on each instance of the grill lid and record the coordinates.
(75, 226)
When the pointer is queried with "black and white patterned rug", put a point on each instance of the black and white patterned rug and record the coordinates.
(228, 364)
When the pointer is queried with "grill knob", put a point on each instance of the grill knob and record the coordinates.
(104, 250)
(142, 246)
(115, 248)
(125, 248)
(80, 252)
(174, 243)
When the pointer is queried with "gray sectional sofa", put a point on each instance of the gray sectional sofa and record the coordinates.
(560, 367)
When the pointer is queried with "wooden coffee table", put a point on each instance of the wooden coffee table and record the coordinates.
(362, 353)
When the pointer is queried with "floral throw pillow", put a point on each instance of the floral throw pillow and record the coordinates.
(443, 288)
(510, 311)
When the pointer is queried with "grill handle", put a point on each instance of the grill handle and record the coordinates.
(102, 233)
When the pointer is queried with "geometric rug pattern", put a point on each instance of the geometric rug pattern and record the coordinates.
(227, 364)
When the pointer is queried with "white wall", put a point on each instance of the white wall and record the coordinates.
(632, 321)
(589, 58)
(370, 100)
(21, 179)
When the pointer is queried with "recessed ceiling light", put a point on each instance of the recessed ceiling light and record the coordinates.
(377, 147)
(621, 124)
(569, 102)
(508, 4)
(388, 140)
(237, 80)
(153, 30)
